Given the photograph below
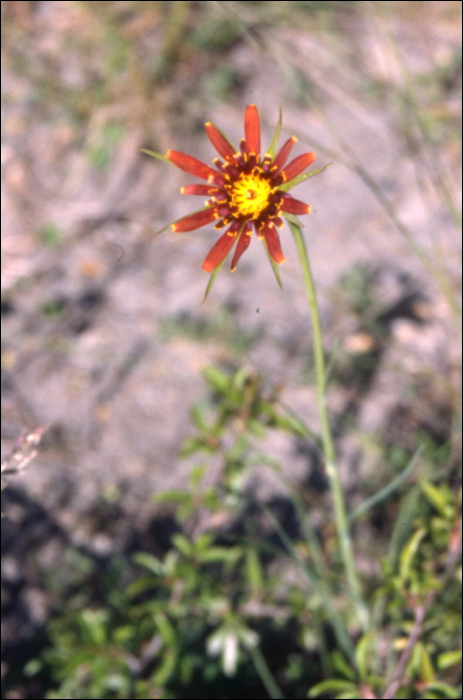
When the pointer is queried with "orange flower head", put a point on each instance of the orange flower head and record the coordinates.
(244, 191)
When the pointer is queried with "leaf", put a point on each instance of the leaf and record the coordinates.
(409, 552)
(362, 652)
(294, 220)
(214, 274)
(341, 666)
(333, 685)
(437, 499)
(424, 663)
(254, 572)
(387, 490)
(443, 690)
(149, 561)
(155, 155)
(217, 379)
(272, 149)
(301, 178)
(182, 544)
(448, 659)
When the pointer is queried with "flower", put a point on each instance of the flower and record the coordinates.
(244, 190)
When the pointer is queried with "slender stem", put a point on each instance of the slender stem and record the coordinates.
(265, 674)
(327, 438)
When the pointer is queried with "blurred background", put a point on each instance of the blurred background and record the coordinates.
(104, 335)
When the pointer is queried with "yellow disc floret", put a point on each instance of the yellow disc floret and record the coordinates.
(249, 195)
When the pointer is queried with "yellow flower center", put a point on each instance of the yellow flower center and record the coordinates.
(249, 195)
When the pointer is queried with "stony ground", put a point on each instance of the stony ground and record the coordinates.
(104, 334)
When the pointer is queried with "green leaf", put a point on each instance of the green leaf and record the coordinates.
(214, 274)
(223, 554)
(274, 265)
(165, 670)
(254, 572)
(94, 625)
(443, 690)
(272, 149)
(301, 178)
(333, 685)
(294, 220)
(362, 652)
(437, 499)
(149, 561)
(448, 659)
(424, 663)
(182, 544)
(409, 552)
(387, 490)
(155, 155)
(217, 379)
(171, 496)
(341, 666)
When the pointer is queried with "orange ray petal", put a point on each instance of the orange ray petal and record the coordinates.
(283, 154)
(219, 251)
(243, 242)
(191, 165)
(219, 142)
(294, 206)
(203, 190)
(273, 243)
(196, 220)
(252, 130)
(297, 166)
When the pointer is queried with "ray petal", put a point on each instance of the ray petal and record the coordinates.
(296, 166)
(272, 240)
(219, 251)
(218, 140)
(294, 206)
(191, 165)
(196, 220)
(252, 130)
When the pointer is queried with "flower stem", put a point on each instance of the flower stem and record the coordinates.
(327, 438)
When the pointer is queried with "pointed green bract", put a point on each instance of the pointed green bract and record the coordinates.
(155, 155)
(293, 219)
(286, 186)
(275, 269)
(272, 149)
(214, 274)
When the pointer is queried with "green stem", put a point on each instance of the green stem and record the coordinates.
(265, 675)
(327, 438)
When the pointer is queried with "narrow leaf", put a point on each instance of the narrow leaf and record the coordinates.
(448, 659)
(294, 220)
(212, 277)
(436, 498)
(155, 155)
(149, 561)
(387, 490)
(301, 178)
(408, 554)
(272, 149)
(333, 685)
